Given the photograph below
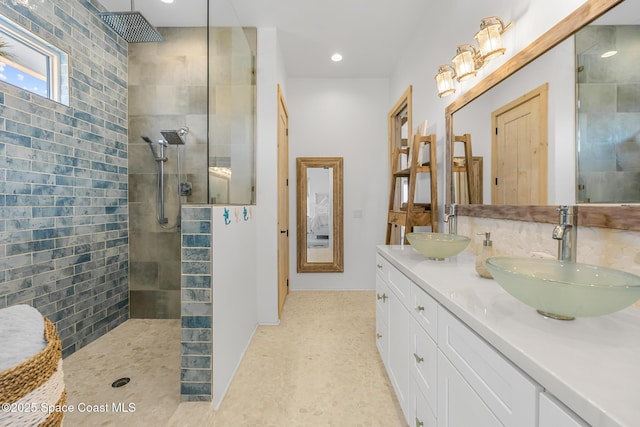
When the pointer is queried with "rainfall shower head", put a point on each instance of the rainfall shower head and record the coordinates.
(174, 137)
(131, 26)
(146, 139)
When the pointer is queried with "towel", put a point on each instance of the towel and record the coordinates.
(21, 335)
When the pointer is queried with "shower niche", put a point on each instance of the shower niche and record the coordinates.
(200, 128)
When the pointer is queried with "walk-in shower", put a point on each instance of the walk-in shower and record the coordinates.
(182, 82)
(170, 137)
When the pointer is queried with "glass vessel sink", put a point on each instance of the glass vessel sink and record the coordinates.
(565, 290)
(438, 245)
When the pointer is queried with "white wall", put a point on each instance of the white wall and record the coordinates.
(344, 118)
(233, 292)
(457, 21)
(318, 132)
(271, 72)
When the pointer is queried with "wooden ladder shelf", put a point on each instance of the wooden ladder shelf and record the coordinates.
(412, 214)
(471, 168)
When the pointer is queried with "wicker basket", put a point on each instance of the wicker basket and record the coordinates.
(31, 381)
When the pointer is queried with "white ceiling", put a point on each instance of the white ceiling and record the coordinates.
(369, 34)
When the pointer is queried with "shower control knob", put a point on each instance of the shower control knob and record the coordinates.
(186, 188)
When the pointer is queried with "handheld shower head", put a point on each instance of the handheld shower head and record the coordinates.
(174, 137)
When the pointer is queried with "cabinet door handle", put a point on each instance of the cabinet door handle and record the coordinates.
(419, 308)
(419, 423)
(418, 358)
(379, 266)
(378, 336)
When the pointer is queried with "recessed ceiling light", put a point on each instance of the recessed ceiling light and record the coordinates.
(167, 1)
(336, 57)
(608, 53)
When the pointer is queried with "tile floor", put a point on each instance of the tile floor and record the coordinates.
(320, 367)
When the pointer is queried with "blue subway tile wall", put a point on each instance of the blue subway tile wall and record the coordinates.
(63, 179)
(196, 373)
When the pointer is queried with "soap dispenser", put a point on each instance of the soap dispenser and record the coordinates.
(485, 252)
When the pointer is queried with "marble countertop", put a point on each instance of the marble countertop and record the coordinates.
(591, 364)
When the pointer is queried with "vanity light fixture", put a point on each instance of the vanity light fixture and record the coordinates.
(466, 62)
(444, 80)
(336, 57)
(167, 1)
(489, 37)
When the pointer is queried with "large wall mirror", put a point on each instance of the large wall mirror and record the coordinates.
(319, 214)
(592, 152)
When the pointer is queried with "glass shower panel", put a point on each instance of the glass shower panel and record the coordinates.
(608, 119)
(232, 115)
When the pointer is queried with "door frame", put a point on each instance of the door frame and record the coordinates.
(283, 202)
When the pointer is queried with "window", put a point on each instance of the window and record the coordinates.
(33, 64)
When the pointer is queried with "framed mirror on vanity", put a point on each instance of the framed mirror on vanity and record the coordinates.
(549, 65)
(319, 209)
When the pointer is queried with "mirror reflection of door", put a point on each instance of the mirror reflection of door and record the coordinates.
(519, 150)
(320, 215)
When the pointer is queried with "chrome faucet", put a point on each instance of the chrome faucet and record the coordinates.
(566, 233)
(452, 219)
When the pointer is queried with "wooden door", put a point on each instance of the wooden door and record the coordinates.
(519, 150)
(283, 201)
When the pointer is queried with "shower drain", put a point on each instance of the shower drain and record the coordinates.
(120, 382)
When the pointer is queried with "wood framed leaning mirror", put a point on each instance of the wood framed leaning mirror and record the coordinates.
(319, 212)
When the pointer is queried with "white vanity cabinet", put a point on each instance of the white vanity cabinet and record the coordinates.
(420, 413)
(476, 356)
(444, 375)
(495, 390)
(458, 403)
(406, 330)
(398, 359)
(392, 294)
(423, 354)
(555, 414)
(382, 317)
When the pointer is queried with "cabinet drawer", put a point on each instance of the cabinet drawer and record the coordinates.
(423, 365)
(510, 395)
(399, 284)
(555, 414)
(420, 414)
(424, 309)
(459, 405)
(396, 281)
(382, 296)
